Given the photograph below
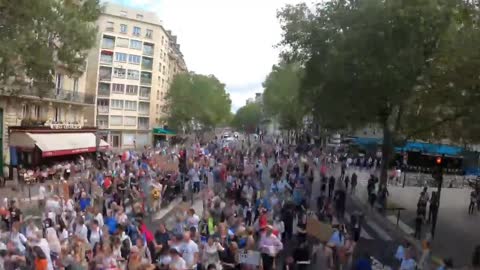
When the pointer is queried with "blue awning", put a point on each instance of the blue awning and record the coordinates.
(412, 146)
(431, 149)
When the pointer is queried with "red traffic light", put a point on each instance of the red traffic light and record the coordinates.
(438, 160)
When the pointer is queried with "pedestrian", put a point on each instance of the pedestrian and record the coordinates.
(473, 201)
(331, 186)
(418, 225)
(346, 181)
(354, 183)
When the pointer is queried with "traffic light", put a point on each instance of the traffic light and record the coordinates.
(438, 161)
(437, 172)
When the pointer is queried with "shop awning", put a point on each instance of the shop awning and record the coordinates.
(58, 144)
(162, 131)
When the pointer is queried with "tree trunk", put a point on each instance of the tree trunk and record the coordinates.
(387, 150)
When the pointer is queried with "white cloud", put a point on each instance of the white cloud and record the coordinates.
(231, 39)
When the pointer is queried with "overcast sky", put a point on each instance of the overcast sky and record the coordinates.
(231, 39)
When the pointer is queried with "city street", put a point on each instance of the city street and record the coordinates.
(456, 233)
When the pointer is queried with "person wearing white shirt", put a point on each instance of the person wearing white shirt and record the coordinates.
(176, 262)
(189, 250)
(18, 239)
(42, 192)
(81, 230)
(192, 219)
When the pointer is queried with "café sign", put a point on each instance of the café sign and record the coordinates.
(65, 126)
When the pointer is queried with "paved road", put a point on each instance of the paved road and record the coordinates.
(456, 233)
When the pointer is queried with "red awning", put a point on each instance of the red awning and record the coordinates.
(58, 144)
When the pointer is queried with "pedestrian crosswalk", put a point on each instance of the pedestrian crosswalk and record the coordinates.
(363, 233)
(404, 227)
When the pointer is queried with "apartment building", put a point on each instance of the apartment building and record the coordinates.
(34, 123)
(131, 69)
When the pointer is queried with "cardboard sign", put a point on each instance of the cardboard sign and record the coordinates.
(250, 257)
(319, 230)
(165, 163)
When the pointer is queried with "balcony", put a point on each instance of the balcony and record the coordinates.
(106, 57)
(105, 74)
(143, 123)
(103, 92)
(108, 42)
(148, 49)
(103, 109)
(61, 95)
(147, 63)
(146, 78)
(144, 93)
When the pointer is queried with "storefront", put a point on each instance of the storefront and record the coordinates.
(37, 145)
(161, 134)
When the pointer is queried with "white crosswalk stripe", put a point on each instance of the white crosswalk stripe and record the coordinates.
(404, 227)
(363, 233)
(383, 235)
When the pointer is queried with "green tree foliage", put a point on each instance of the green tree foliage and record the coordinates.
(196, 101)
(37, 37)
(281, 96)
(409, 66)
(248, 117)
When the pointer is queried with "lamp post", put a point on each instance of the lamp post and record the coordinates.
(438, 176)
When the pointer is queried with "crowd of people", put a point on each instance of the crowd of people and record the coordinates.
(256, 204)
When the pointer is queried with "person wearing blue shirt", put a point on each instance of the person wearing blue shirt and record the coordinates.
(84, 201)
(364, 263)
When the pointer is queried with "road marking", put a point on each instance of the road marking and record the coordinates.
(404, 227)
(384, 235)
(363, 233)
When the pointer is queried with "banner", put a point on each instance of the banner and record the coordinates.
(250, 257)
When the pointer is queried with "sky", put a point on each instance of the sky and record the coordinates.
(231, 39)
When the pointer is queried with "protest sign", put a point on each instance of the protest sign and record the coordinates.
(250, 257)
(319, 230)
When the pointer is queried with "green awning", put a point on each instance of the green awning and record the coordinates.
(162, 131)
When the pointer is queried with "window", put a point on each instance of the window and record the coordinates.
(106, 57)
(108, 42)
(117, 104)
(105, 73)
(115, 120)
(143, 122)
(134, 59)
(129, 121)
(135, 44)
(26, 111)
(123, 13)
(121, 57)
(147, 63)
(163, 82)
(123, 28)
(148, 49)
(133, 74)
(118, 88)
(158, 108)
(119, 73)
(102, 102)
(137, 31)
(109, 26)
(130, 105)
(139, 16)
(143, 108)
(146, 78)
(158, 94)
(58, 83)
(103, 89)
(145, 92)
(122, 42)
(75, 85)
(149, 33)
(102, 122)
(58, 117)
(36, 111)
(132, 90)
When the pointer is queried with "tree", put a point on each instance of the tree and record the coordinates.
(39, 37)
(391, 63)
(248, 117)
(196, 101)
(281, 96)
